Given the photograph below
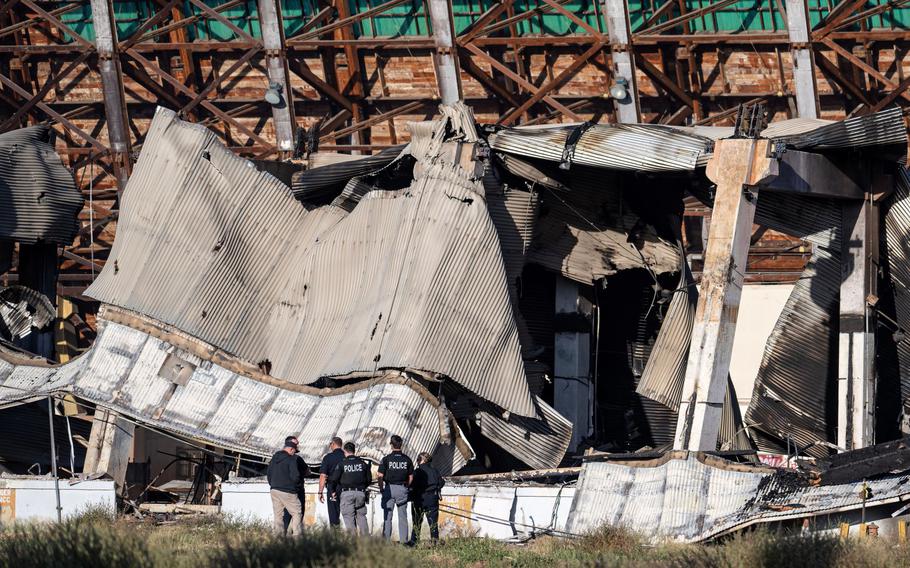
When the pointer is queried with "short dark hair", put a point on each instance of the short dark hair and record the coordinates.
(396, 441)
(350, 447)
(338, 441)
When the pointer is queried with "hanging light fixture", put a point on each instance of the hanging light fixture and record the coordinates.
(620, 89)
(273, 94)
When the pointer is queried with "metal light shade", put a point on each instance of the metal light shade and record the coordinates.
(273, 94)
(619, 91)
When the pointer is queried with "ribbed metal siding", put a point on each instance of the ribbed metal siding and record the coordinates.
(38, 196)
(323, 183)
(795, 379)
(897, 241)
(230, 410)
(540, 443)
(635, 147)
(408, 279)
(687, 500)
(881, 128)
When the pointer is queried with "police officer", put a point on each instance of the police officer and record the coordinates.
(425, 495)
(353, 476)
(329, 461)
(396, 471)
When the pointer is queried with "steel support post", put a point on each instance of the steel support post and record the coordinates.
(803, 65)
(856, 337)
(112, 86)
(277, 66)
(572, 389)
(447, 76)
(737, 167)
(617, 13)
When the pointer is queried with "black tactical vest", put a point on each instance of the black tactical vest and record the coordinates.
(354, 473)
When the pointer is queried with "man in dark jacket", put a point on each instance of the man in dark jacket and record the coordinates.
(425, 495)
(328, 491)
(395, 473)
(285, 482)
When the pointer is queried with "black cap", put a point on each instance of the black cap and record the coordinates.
(291, 442)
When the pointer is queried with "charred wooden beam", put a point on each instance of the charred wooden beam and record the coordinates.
(112, 87)
(277, 67)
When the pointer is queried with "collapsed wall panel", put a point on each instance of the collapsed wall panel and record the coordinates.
(896, 220)
(793, 394)
(165, 379)
(38, 196)
(407, 279)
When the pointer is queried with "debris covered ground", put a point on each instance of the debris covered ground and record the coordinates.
(98, 540)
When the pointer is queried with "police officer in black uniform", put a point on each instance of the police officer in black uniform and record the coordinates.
(352, 476)
(395, 474)
(425, 495)
(327, 489)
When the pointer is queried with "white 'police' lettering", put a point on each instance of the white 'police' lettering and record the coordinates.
(353, 468)
(398, 465)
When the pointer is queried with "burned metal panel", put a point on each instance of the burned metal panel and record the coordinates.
(882, 128)
(896, 221)
(38, 196)
(633, 147)
(584, 234)
(691, 498)
(407, 279)
(322, 184)
(232, 410)
(540, 443)
(792, 397)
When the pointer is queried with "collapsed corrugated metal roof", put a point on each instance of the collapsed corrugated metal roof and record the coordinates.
(896, 250)
(878, 129)
(38, 196)
(322, 184)
(157, 375)
(407, 279)
(634, 147)
(693, 497)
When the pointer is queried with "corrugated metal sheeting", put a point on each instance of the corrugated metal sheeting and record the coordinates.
(534, 441)
(896, 217)
(635, 147)
(127, 370)
(322, 184)
(407, 279)
(38, 196)
(792, 394)
(689, 497)
(879, 129)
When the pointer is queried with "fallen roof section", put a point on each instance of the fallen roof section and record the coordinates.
(38, 196)
(161, 377)
(407, 279)
(691, 497)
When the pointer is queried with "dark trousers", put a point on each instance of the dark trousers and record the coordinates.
(430, 509)
(334, 508)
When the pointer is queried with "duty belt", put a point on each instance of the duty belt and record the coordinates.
(343, 489)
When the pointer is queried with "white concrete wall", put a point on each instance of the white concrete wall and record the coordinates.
(30, 498)
(493, 511)
(759, 309)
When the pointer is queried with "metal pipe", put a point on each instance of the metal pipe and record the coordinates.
(50, 419)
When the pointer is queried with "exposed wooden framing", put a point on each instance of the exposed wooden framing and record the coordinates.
(304, 72)
(856, 61)
(179, 23)
(685, 18)
(45, 89)
(521, 80)
(53, 20)
(373, 120)
(355, 72)
(556, 83)
(832, 70)
(652, 71)
(346, 21)
(273, 41)
(494, 88)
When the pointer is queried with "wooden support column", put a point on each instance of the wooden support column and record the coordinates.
(572, 389)
(112, 85)
(617, 13)
(803, 62)
(447, 76)
(856, 345)
(109, 446)
(277, 66)
(737, 167)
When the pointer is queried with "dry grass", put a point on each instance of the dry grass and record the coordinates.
(97, 540)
